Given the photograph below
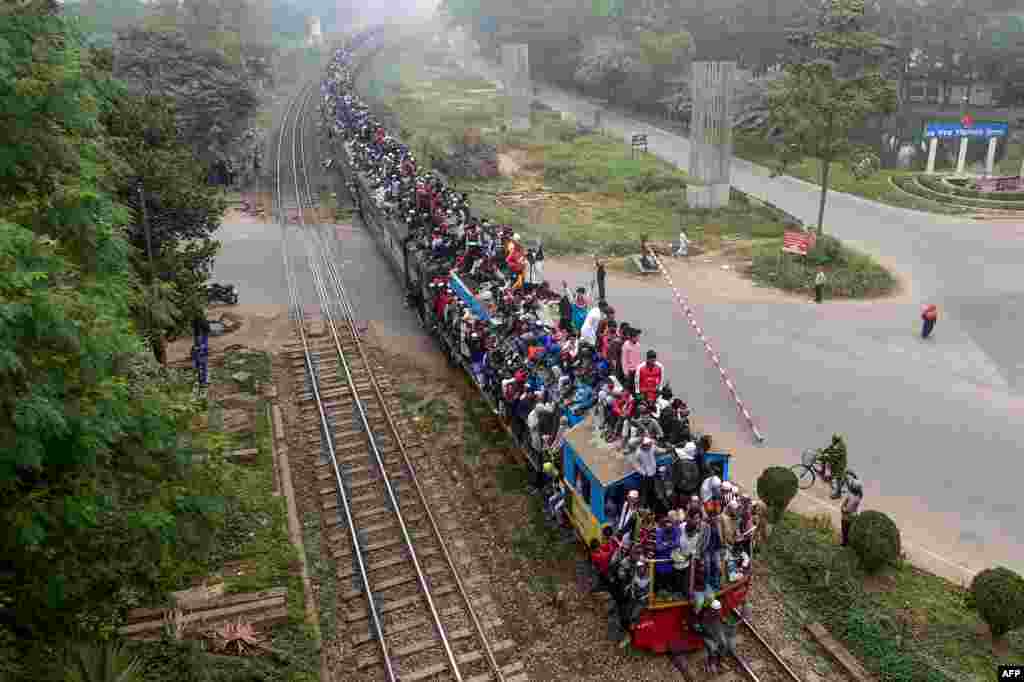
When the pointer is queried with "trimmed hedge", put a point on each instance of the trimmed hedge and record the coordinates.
(875, 539)
(998, 596)
(777, 487)
(1011, 200)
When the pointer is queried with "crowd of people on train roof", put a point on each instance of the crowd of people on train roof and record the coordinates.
(547, 358)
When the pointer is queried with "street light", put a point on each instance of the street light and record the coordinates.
(152, 269)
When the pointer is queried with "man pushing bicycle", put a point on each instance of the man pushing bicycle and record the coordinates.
(835, 457)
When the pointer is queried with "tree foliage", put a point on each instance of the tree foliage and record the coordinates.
(100, 504)
(212, 98)
(832, 90)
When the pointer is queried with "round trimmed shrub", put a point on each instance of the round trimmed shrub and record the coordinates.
(998, 596)
(776, 486)
(875, 539)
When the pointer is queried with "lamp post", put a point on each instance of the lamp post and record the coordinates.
(156, 341)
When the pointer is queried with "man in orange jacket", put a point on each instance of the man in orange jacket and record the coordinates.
(930, 313)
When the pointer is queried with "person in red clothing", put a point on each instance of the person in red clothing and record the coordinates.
(930, 314)
(602, 556)
(650, 377)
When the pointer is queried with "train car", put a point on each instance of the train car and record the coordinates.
(598, 477)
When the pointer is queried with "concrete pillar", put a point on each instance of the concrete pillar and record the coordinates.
(515, 63)
(711, 132)
(933, 147)
(990, 158)
(961, 160)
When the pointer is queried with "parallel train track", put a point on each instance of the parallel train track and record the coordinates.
(408, 614)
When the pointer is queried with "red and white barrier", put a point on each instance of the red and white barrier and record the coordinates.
(715, 359)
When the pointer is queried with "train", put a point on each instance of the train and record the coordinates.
(592, 474)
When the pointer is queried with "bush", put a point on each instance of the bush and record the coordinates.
(998, 596)
(875, 539)
(777, 487)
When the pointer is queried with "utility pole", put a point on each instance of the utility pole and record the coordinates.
(157, 339)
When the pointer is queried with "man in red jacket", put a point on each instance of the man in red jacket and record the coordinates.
(650, 377)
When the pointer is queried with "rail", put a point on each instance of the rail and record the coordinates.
(361, 408)
(326, 274)
(294, 110)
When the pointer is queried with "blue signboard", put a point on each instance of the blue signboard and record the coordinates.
(488, 25)
(982, 129)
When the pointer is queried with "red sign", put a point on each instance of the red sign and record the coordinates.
(798, 242)
(967, 121)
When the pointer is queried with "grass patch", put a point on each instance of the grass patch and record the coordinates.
(878, 187)
(851, 274)
(917, 629)
(252, 363)
(255, 534)
(481, 430)
(324, 571)
(539, 540)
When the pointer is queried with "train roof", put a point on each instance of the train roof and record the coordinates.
(606, 461)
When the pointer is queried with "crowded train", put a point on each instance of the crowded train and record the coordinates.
(609, 444)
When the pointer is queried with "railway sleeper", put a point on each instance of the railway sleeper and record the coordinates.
(357, 614)
(367, 661)
(349, 570)
(345, 550)
(367, 636)
(351, 484)
(513, 672)
(336, 530)
(391, 583)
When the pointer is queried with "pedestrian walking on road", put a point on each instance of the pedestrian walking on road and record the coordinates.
(599, 262)
(930, 314)
(683, 249)
(819, 286)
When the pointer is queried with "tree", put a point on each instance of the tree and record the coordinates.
(607, 63)
(833, 89)
(212, 97)
(100, 504)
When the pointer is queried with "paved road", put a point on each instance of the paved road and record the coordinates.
(933, 426)
(251, 259)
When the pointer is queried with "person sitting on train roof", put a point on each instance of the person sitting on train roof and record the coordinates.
(643, 425)
(675, 422)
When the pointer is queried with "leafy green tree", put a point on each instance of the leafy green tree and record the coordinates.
(833, 89)
(182, 211)
(99, 503)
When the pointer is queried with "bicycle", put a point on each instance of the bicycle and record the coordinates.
(812, 467)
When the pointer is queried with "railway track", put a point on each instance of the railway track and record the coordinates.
(408, 614)
(755, 661)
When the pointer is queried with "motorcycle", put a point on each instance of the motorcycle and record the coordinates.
(220, 293)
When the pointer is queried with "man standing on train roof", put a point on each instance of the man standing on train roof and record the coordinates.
(650, 377)
(645, 463)
(588, 332)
